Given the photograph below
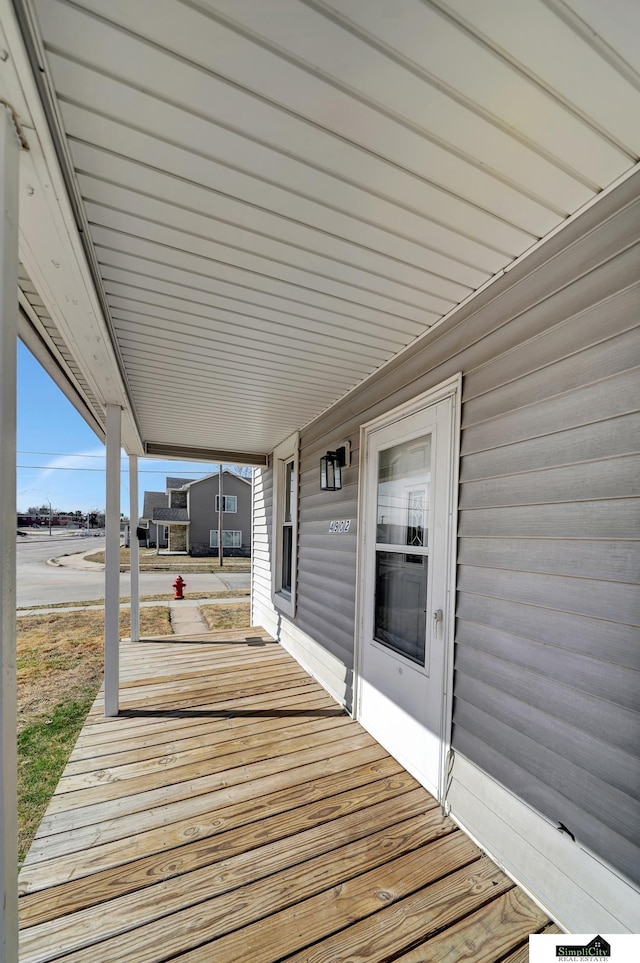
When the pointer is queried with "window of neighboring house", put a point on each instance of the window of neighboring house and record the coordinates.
(285, 524)
(166, 532)
(230, 539)
(229, 504)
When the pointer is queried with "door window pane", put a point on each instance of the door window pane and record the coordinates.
(401, 602)
(404, 476)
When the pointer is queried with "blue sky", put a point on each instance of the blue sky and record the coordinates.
(61, 460)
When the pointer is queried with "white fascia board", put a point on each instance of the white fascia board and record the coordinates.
(50, 246)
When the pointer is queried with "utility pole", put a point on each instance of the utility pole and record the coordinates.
(49, 504)
(220, 509)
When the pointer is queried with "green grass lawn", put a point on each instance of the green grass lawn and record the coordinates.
(44, 746)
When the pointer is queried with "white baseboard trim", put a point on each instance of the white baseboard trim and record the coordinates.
(324, 667)
(579, 892)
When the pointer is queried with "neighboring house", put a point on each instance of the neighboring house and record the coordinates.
(156, 532)
(185, 518)
(173, 516)
(203, 502)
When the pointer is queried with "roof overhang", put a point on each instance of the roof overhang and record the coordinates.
(231, 214)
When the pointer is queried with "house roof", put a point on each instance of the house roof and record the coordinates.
(151, 501)
(236, 213)
(214, 474)
(175, 483)
(171, 515)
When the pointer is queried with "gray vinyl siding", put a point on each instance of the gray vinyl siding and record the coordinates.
(262, 610)
(547, 644)
(327, 592)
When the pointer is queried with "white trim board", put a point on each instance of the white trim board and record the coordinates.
(578, 891)
(325, 668)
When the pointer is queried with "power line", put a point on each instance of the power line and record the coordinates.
(59, 454)
(124, 471)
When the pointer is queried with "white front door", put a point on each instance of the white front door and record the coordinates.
(408, 530)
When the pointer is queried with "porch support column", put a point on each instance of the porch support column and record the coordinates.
(9, 166)
(112, 566)
(134, 567)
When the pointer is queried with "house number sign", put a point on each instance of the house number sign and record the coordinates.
(340, 527)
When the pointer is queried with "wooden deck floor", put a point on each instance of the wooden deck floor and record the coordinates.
(234, 812)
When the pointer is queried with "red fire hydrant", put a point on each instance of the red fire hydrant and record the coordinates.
(179, 585)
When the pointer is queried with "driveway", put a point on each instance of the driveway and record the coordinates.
(39, 583)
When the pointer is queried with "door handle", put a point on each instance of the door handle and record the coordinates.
(437, 618)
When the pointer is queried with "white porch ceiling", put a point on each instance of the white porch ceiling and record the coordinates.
(279, 195)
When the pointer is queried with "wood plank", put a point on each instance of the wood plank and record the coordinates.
(291, 876)
(53, 840)
(90, 806)
(296, 809)
(207, 692)
(272, 922)
(200, 663)
(152, 717)
(506, 921)
(99, 730)
(152, 747)
(172, 767)
(456, 892)
(484, 935)
(521, 955)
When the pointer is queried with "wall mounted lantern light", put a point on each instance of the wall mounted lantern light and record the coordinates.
(331, 466)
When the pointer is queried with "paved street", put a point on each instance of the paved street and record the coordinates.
(41, 584)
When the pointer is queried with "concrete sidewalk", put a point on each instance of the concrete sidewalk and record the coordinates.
(187, 619)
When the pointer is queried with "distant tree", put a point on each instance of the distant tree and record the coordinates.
(243, 471)
(42, 510)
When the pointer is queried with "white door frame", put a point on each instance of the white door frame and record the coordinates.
(451, 388)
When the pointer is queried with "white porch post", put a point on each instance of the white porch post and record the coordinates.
(9, 165)
(112, 566)
(134, 548)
